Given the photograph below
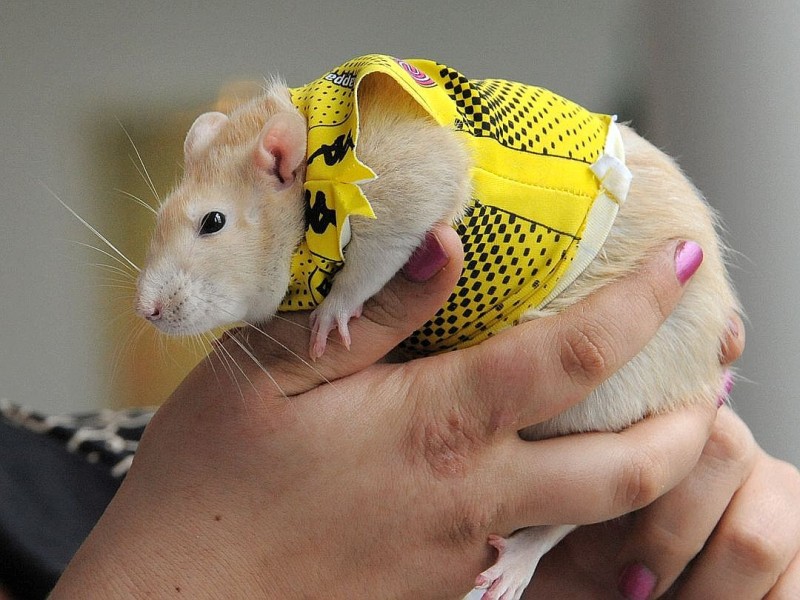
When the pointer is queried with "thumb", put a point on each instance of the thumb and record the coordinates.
(411, 298)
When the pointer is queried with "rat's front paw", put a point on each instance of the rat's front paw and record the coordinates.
(324, 320)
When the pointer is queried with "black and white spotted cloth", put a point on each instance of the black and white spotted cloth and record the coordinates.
(107, 437)
(57, 475)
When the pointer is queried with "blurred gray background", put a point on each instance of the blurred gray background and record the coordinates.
(714, 83)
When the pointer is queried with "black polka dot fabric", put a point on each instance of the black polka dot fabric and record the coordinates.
(310, 281)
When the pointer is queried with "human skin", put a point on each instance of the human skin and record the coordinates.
(731, 529)
(351, 477)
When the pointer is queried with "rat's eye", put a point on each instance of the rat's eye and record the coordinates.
(212, 222)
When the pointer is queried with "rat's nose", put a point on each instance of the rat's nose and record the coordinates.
(152, 312)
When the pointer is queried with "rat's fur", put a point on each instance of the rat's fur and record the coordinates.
(680, 365)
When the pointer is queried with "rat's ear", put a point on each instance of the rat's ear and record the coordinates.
(202, 133)
(281, 147)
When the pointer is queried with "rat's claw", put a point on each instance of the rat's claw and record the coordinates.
(492, 580)
(317, 348)
(517, 557)
(324, 320)
(344, 332)
(321, 326)
(342, 321)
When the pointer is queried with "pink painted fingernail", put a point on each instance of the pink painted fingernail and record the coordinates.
(428, 259)
(636, 582)
(688, 257)
(727, 386)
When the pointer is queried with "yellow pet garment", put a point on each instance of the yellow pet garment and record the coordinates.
(548, 177)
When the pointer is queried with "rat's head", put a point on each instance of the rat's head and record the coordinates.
(223, 241)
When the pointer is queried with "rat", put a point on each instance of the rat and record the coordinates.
(312, 198)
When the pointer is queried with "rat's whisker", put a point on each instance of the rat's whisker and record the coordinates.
(138, 200)
(223, 355)
(230, 367)
(231, 362)
(143, 171)
(113, 257)
(124, 286)
(112, 278)
(257, 363)
(290, 351)
(92, 229)
(123, 351)
(114, 270)
(280, 317)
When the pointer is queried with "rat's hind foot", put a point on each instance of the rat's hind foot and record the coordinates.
(509, 576)
(518, 556)
(323, 321)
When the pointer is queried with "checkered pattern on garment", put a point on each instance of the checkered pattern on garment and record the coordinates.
(490, 274)
(526, 118)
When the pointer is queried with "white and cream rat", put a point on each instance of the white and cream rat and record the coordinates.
(261, 183)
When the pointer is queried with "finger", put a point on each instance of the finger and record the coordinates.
(788, 586)
(668, 534)
(755, 540)
(733, 342)
(540, 368)
(405, 303)
(595, 477)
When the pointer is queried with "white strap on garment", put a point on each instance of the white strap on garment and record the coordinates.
(615, 182)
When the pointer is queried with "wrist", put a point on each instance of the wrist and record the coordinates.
(152, 550)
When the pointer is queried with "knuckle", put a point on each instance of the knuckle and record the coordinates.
(386, 308)
(446, 441)
(641, 481)
(470, 526)
(733, 445)
(585, 352)
(761, 538)
(656, 301)
(673, 543)
(732, 345)
(788, 473)
(446, 445)
(752, 549)
(490, 377)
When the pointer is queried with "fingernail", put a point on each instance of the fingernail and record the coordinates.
(688, 257)
(427, 260)
(636, 582)
(727, 386)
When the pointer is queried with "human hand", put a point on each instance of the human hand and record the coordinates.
(746, 519)
(731, 529)
(354, 479)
